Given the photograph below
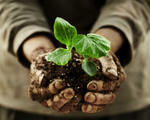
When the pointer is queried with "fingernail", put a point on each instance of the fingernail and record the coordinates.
(92, 86)
(113, 72)
(68, 94)
(59, 84)
(90, 97)
(35, 91)
(49, 102)
(89, 108)
(52, 89)
(56, 99)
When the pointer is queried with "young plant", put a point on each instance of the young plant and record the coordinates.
(89, 46)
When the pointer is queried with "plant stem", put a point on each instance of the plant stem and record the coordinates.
(69, 47)
(85, 58)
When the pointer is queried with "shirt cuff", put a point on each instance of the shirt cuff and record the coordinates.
(126, 52)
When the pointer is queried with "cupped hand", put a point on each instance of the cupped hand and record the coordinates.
(56, 94)
(103, 92)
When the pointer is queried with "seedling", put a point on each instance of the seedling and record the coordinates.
(89, 46)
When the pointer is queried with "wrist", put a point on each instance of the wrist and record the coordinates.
(36, 45)
(114, 36)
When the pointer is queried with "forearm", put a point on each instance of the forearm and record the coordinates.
(131, 18)
(21, 19)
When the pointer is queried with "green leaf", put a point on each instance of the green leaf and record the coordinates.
(92, 45)
(89, 67)
(60, 56)
(64, 31)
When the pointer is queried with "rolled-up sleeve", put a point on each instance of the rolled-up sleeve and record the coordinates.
(131, 17)
(19, 19)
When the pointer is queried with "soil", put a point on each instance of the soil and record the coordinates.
(72, 74)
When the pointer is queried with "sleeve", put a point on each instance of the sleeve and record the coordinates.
(131, 17)
(19, 19)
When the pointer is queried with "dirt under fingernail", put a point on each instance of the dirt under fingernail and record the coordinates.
(59, 84)
(92, 86)
(68, 94)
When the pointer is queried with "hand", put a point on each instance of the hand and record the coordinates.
(54, 94)
(103, 92)
(33, 48)
(96, 99)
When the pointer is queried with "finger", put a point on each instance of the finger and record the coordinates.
(36, 75)
(121, 72)
(62, 98)
(71, 105)
(99, 85)
(99, 98)
(53, 88)
(45, 103)
(89, 108)
(56, 85)
(38, 93)
(48, 103)
(109, 68)
(40, 51)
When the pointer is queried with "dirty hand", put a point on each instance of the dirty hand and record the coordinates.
(97, 97)
(61, 97)
(103, 92)
(52, 93)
